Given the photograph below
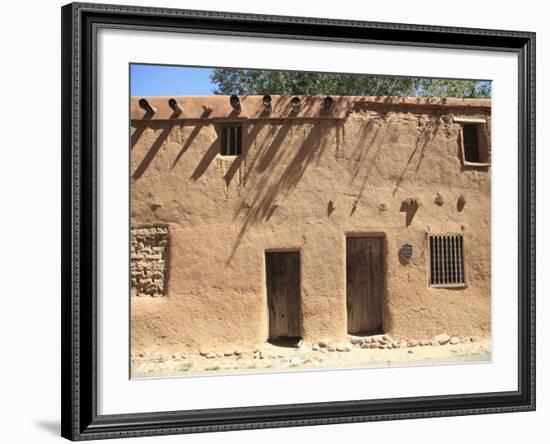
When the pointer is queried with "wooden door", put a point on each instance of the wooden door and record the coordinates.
(283, 294)
(365, 282)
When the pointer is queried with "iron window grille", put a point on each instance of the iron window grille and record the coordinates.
(447, 260)
(231, 140)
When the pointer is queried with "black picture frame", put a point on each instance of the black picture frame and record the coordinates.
(80, 420)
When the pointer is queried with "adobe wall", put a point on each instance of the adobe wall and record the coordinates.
(304, 184)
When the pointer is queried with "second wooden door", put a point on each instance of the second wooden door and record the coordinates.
(283, 294)
(365, 282)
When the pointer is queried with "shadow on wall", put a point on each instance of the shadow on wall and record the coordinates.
(194, 133)
(427, 133)
(409, 207)
(138, 132)
(365, 141)
(250, 137)
(157, 144)
(260, 202)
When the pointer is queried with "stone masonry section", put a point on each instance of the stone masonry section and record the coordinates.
(148, 261)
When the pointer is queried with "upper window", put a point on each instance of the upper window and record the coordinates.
(447, 260)
(231, 140)
(475, 144)
(474, 141)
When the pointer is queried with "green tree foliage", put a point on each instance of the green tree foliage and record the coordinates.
(251, 82)
(454, 88)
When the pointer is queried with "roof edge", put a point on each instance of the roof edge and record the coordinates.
(253, 107)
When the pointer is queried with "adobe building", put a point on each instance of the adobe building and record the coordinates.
(258, 218)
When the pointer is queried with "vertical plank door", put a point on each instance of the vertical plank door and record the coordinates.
(283, 294)
(365, 284)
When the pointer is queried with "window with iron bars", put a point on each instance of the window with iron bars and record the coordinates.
(446, 260)
(231, 140)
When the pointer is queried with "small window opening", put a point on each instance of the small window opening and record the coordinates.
(231, 140)
(447, 260)
(474, 144)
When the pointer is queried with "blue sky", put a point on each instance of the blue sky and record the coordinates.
(165, 80)
(156, 80)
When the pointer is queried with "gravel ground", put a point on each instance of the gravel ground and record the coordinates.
(278, 358)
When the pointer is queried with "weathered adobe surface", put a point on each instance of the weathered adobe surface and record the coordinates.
(223, 213)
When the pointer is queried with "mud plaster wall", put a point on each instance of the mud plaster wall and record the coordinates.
(305, 185)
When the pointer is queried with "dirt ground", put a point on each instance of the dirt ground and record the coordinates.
(282, 357)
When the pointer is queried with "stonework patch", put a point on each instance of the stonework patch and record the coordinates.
(148, 261)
